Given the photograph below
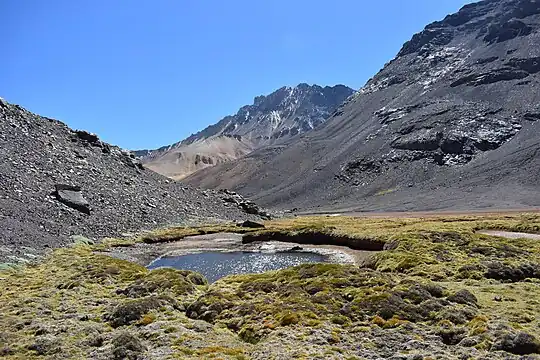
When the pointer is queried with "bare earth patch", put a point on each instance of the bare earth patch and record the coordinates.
(510, 234)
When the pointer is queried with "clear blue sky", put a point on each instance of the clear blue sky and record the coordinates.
(142, 74)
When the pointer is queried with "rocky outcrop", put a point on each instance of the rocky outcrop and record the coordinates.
(246, 205)
(491, 77)
(518, 343)
(516, 69)
(507, 31)
(425, 139)
(251, 224)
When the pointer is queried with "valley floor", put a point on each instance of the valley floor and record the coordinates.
(432, 287)
(353, 211)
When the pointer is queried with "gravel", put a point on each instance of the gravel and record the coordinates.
(56, 183)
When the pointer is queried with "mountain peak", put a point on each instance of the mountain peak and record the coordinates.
(452, 117)
(285, 112)
(271, 119)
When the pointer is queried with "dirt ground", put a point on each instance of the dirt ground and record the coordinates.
(510, 235)
(421, 214)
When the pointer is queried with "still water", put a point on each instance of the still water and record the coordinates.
(215, 265)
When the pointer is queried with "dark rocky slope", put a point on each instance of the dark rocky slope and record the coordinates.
(274, 119)
(450, 123)
(56, 183)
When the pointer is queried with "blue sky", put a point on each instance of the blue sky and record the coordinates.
(142, 74)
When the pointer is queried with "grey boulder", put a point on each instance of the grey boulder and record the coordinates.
(72, 196)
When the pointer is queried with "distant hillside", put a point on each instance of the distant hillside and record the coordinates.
(272, 119)
(450, 123)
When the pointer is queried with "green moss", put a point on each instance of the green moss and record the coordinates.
(249, 334)
(340, 319)
(289, 318)
(130, 311)
(185, 350)
(385, 192)
(221, 350)
(394, 322)
(175, 282)
(478, 325)
(147, 319)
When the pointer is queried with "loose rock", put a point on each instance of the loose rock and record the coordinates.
(72, 197)
(251, 224)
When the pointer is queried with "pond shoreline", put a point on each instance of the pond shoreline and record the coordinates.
(146, 254)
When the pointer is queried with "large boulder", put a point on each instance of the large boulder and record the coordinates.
(519, 344)
(464, 297)
(251, 224)
(87, 136)
(72, 197)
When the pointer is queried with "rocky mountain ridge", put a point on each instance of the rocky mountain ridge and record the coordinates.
(272, 119)
(451, 122)
(57, 183)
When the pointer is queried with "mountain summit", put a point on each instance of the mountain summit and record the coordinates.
(271, 119)
(450, 122)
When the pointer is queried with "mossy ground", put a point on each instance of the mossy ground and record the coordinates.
(437, 279)
(376, 229)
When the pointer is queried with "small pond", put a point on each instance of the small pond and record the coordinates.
(215, 265)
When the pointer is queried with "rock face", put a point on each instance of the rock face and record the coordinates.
(56, 183)
(451, 122)
(272, 119)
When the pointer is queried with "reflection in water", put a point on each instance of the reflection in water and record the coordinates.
(215, 265)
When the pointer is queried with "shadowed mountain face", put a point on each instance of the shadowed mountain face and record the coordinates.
(273, 119)
(450, 123)
(56, 182)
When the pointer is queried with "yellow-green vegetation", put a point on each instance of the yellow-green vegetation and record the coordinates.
(354, 231)
(385, 192)
(436, 275)
(74, 301)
